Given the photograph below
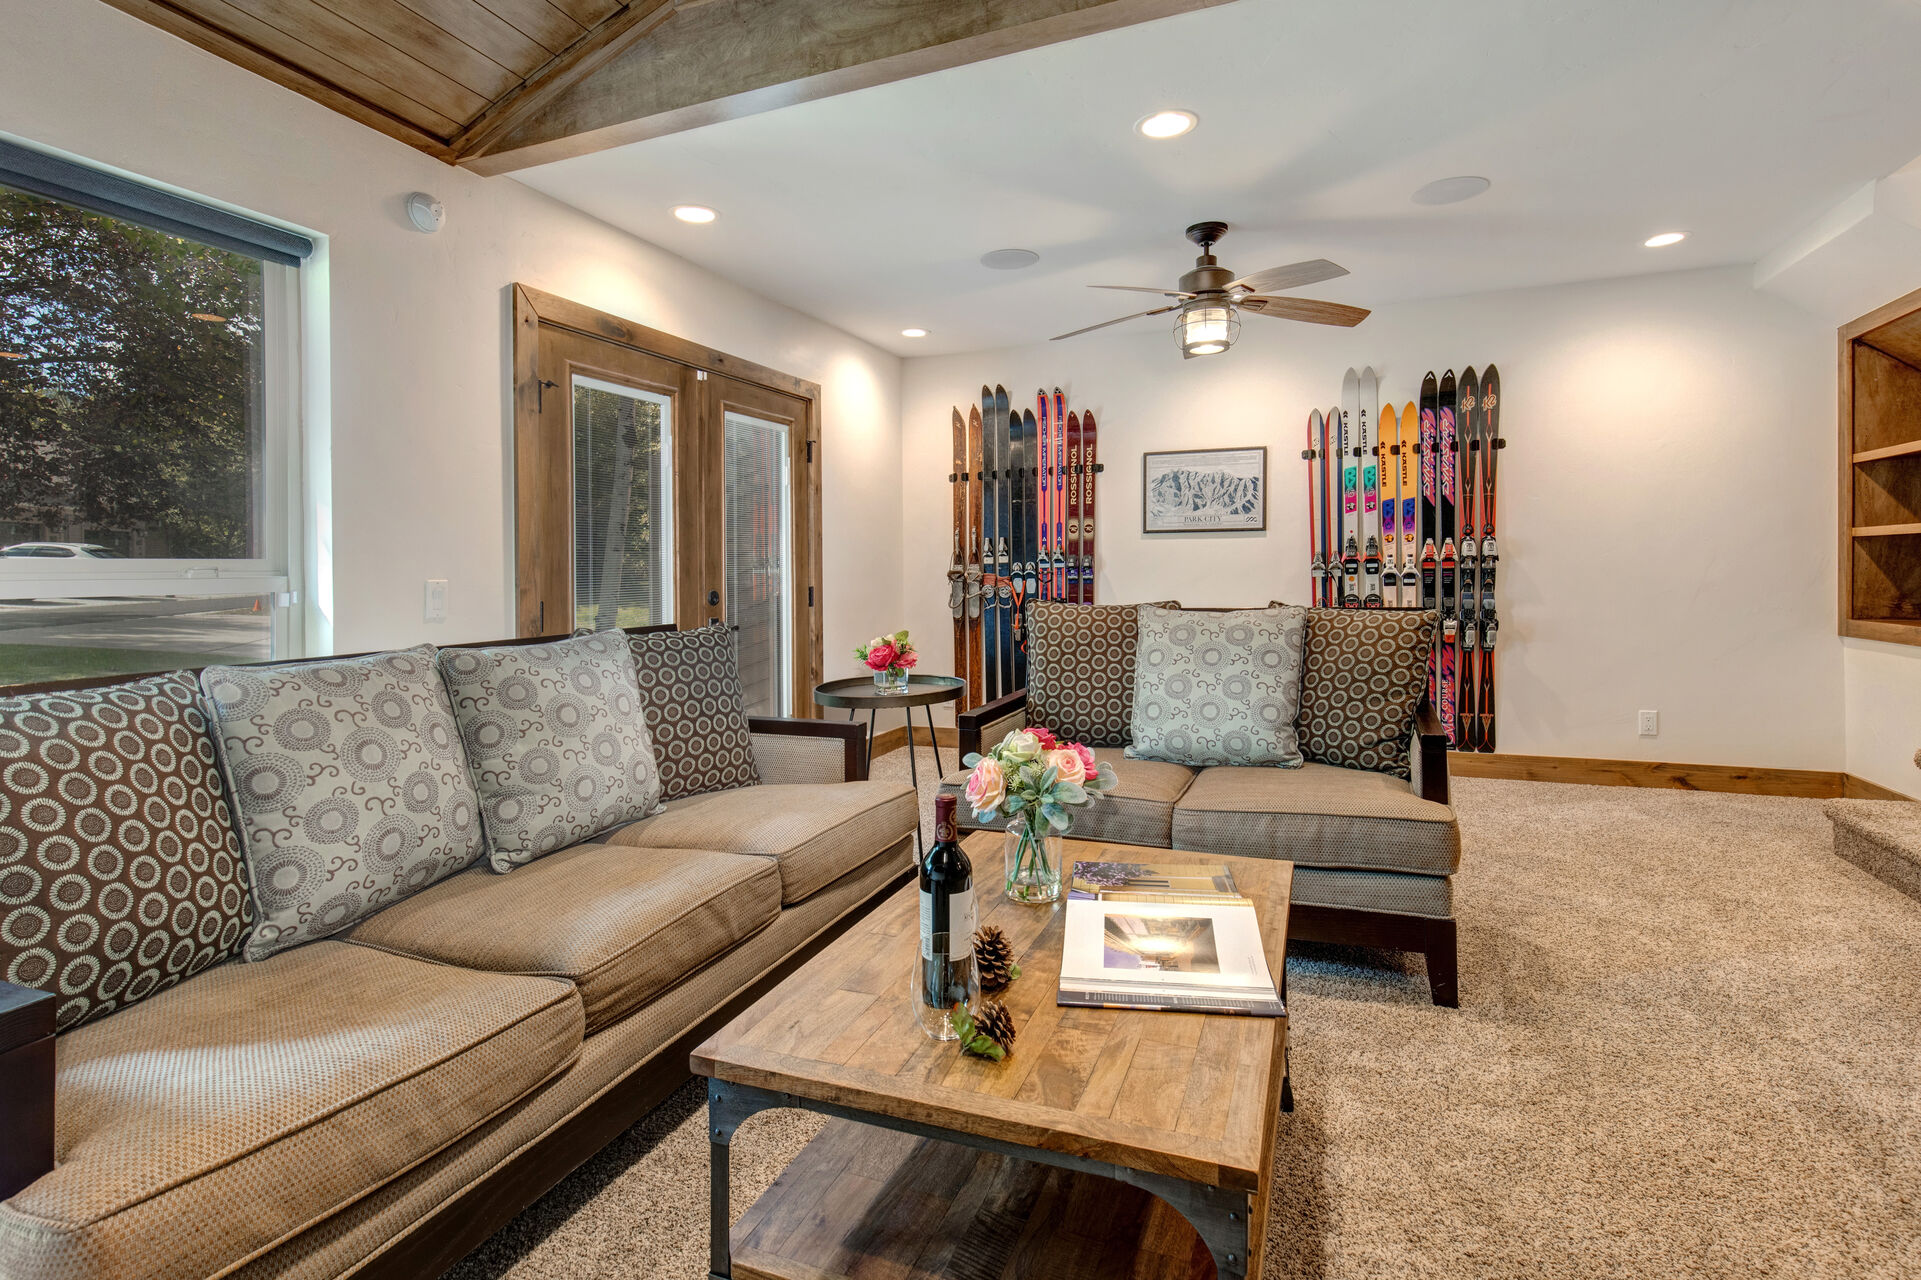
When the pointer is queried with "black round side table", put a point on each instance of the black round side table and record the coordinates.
(856, 692)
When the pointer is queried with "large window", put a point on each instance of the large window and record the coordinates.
(147, 357)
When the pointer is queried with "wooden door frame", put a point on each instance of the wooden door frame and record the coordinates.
(533, 308)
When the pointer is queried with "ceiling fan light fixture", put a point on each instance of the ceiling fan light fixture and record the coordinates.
(1206, 327)
(1162, 125)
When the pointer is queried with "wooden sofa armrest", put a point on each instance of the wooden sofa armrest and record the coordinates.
(26, 1086)
(853, 738)
(988, 723)
(1428, 757)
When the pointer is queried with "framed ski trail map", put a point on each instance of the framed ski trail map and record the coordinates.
(1204, 491)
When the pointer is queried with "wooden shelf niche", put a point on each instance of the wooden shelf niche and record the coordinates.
(1880, 379)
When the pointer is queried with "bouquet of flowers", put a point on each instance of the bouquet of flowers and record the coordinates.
(892, 655)
(1037, 781)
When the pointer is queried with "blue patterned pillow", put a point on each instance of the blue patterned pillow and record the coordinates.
(1218, 688)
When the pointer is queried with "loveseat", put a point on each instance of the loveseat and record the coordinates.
(378, 1100)
(1375, 849)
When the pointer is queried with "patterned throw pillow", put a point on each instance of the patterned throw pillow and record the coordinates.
(1364, 677)
(1080, 669)
(351, 785)
(1218, 688)
(558, 746)
(120, 872)
(691, 701)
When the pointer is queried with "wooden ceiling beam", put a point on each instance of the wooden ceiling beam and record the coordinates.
(665, 66)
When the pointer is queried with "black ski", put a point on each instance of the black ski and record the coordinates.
(1004, 539)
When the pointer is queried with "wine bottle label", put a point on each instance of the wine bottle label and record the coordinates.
(959, 939)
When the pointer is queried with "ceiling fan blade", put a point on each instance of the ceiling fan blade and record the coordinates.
(1306, 309)
(1292, 276)
(1139, 288)
(1103, 324)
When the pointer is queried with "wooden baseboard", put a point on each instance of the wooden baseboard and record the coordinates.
(896, 738)
(1811, 784)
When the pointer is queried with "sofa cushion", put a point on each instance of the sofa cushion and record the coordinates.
(1140, 810)
(816, 833)
(1318, 816)
(120, 870)
(201, 1127)
(1362, 680)
(691, 700)
(351, 785)
(558, 746)
(622, 925)
(1080, 670)
(1218, 688)
(1394, 892)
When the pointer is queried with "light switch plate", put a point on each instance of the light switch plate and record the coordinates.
(436, 610)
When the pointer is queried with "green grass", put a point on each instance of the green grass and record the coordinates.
(35, 663)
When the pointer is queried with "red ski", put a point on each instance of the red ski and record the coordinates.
(1073, 507)
(1491, 446)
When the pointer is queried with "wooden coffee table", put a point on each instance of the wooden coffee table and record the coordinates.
(1109, 1143)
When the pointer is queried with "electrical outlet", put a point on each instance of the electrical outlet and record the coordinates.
(436, 610)
(1650, 723)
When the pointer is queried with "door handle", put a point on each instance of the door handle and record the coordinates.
(713, 598)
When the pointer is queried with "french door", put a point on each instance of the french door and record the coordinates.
(652, 489)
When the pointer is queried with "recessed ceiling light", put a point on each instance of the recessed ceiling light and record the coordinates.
(1166, 124)
(694, 213)
(1451, 190)
(913, 333)
(1009, 259)
(1665, 239)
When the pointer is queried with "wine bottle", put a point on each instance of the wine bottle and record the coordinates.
(946, 914)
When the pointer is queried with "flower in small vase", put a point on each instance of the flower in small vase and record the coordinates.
(1019, 747)
(881, 656)
(890, 653)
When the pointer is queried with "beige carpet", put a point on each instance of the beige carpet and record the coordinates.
(1689, 1045)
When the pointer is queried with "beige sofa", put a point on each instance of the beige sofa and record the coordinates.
(377, 1103)
(1374, 855)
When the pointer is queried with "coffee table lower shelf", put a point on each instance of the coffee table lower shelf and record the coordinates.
(864, 1201)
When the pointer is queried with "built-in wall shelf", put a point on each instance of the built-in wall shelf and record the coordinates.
(1891, 451)
(1880, 499)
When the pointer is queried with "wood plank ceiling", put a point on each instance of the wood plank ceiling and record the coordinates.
(500, 84)
(422, 71)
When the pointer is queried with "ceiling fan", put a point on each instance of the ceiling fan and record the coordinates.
(1210, 296)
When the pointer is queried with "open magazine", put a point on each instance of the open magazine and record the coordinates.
(1167, 936)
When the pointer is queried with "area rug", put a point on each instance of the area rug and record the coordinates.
(1689, 1045)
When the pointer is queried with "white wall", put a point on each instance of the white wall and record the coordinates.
(419, 335)
(1666, 505)
(1864, 252)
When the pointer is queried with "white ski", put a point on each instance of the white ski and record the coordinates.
(1370, 392)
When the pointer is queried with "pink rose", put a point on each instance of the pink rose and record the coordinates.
(910, 659)
(986, 786)
(1069, 763)
(1048, 740)
(1086, 753)
(882, 656)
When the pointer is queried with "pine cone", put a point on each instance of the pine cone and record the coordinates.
(996, 1023)
(994, 958)
(987, 1034)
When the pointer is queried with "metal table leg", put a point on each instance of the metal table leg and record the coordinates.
(933, 740)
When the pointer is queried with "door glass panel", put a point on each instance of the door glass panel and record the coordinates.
(757, 559)
(623, 506)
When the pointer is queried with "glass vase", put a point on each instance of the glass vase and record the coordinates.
(892, 680)
(1033, 863)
